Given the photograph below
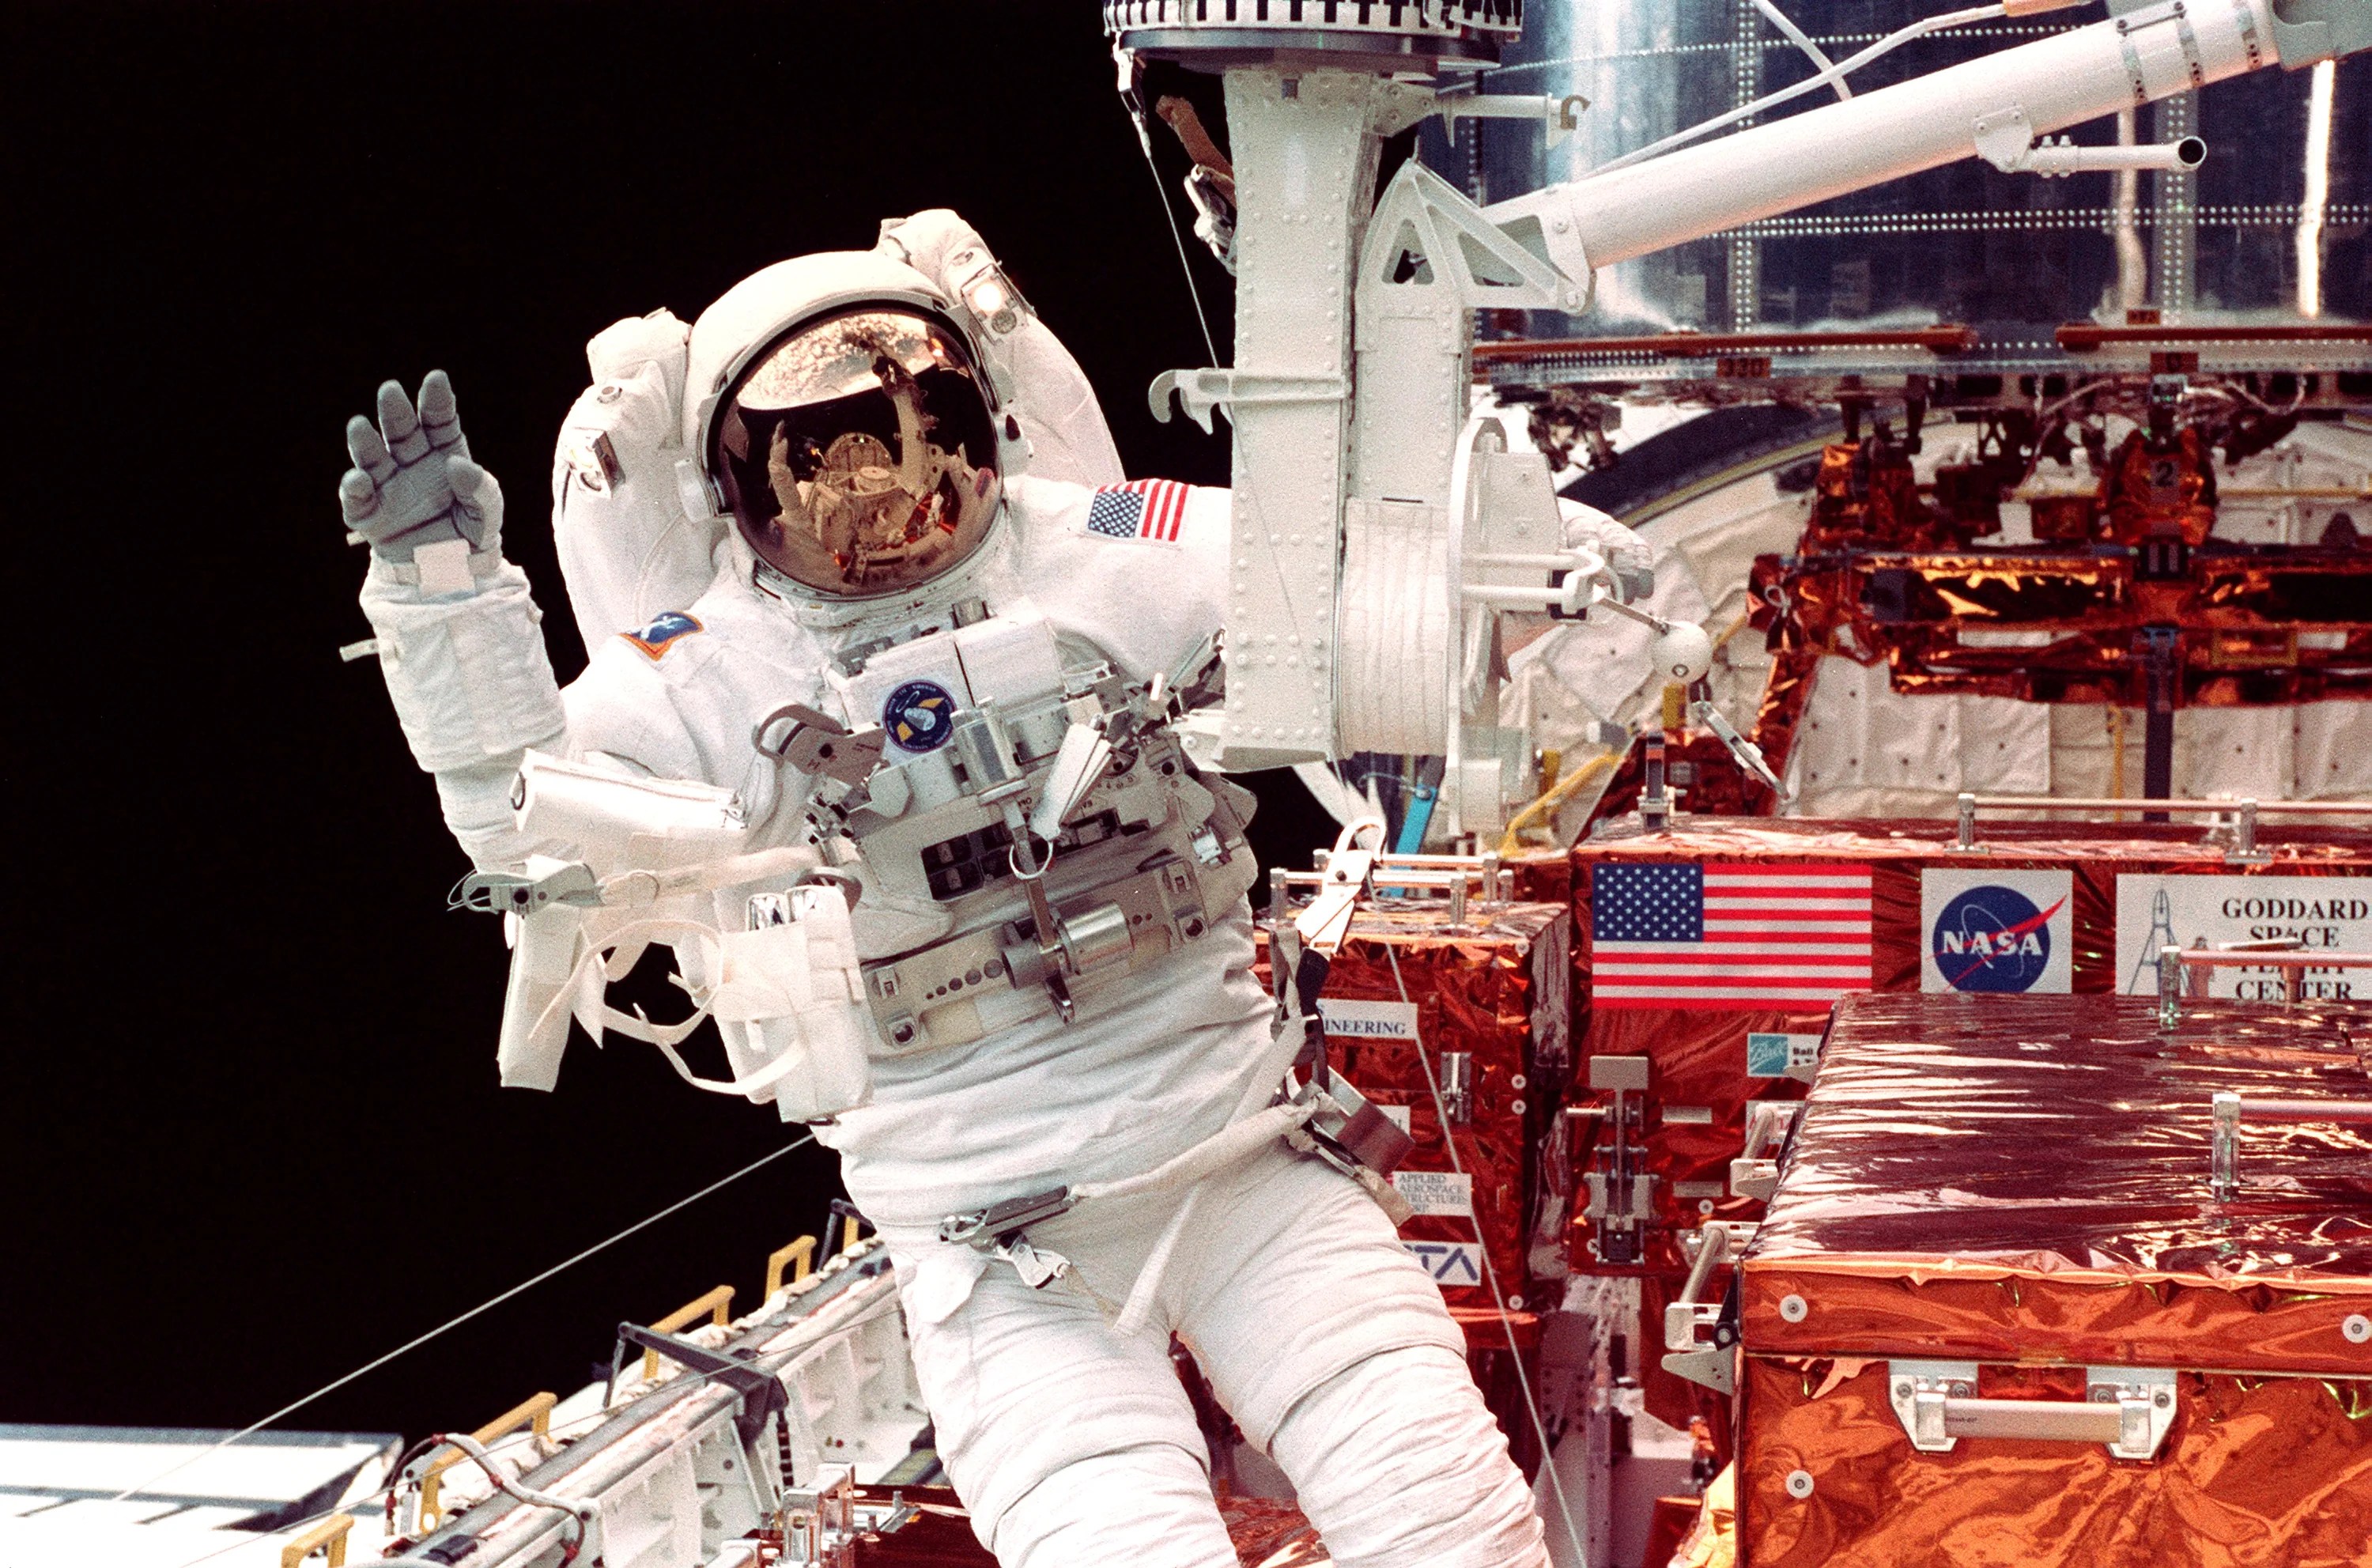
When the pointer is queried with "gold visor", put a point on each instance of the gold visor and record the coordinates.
(858, 455)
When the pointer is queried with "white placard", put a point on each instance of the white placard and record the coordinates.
(1449, 1262)
(2332, 913)
(1368, 1020)
(1436, 1192)
(1996, 932)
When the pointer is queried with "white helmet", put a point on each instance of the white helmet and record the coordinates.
(841, 415)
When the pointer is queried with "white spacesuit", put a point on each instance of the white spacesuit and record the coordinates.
(847, 460)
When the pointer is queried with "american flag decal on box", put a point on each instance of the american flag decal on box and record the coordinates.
(1142, 508)
(1727, 938)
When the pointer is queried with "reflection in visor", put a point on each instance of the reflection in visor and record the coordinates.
(858, 456)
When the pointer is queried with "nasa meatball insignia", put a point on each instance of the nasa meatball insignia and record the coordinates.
(1996, 930)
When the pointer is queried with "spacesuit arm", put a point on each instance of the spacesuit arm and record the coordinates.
(473, 688)
(1632, 558)
(1038, 381)
(459, 635)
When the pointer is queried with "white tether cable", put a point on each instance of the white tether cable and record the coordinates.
(396, 1482)
(1813, 83)
(451, 1323)
(1491, 1277)
(1801, 39)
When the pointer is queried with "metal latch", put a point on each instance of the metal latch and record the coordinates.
(1710, 1361)
(504, 892)
(1350, 1129)
(987, 1229)
(1768, 1122)
(1621, 1193)
(818, 1522)
(762, 1395)
(2126, 1408)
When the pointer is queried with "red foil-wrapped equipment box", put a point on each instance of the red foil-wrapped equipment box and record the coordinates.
(1707, 957)
(1488, 1007)
(2001, 1311)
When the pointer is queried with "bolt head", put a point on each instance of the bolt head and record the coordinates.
(1799, 1484)
(2357, 1328)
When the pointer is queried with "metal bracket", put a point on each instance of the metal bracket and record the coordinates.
(2128, 1409)
(1769, 1124)
(2306, 32)
(1200, 392)
(818, 1522)
(1710, 1362)
(1559, 117)
(2224, 1156)
(1482, 261)
(1349, 1130)
(503, 892)
(2245, 850)
(1622, 1196)
(2005, 139)
(762, 1395)
(2227, 1109)
(989, 1229)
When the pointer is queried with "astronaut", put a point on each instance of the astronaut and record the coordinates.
(918, 592)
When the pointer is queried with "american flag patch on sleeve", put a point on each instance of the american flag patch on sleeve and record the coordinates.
(1142, 508)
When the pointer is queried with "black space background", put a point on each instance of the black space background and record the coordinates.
(249, 1126)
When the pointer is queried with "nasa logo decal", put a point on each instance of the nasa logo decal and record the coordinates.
(1993, 939)
(919, 716)
(2000, 932)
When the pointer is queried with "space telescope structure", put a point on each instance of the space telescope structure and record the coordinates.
(1397, 546)
(1376, 635)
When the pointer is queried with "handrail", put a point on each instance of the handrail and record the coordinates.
(331, 1533)
(715, 1305)
(799, 1256)
(2182, 972)
(2128, 803)
(1953, 339)
(2227, 1109)
(1492, 884)
(2244, 812)
(534, 1411)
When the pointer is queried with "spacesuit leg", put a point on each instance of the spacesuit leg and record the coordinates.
(1330, 1345)
(1069, 1442)
(1398, 1462)
(1148, 1508)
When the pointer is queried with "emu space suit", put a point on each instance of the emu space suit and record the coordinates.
(1066, 1433)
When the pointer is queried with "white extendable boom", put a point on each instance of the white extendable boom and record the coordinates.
(2053, 83)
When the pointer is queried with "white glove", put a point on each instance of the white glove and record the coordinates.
(1631, 557)
(412, 482)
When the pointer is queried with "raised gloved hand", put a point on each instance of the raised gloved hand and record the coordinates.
(1632, 558)
(412, 482)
